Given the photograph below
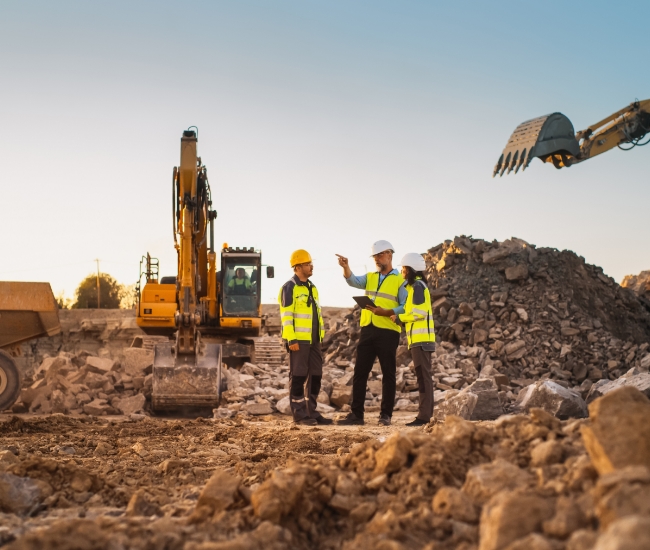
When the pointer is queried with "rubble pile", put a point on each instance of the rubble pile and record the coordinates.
(517, 327)
(85, 383)
(521, 482)
(638, 283)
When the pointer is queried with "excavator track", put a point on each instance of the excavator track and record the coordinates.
(268, 350)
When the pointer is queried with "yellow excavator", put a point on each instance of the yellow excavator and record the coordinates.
(211, 316)
(551, 138)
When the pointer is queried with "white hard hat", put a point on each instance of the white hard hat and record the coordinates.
(414, 260)
(381, 246)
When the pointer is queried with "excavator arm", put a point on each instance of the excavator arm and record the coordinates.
(551, 138)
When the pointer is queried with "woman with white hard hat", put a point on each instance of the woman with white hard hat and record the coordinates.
(418, 321)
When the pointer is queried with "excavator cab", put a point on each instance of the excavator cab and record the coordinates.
(240, 288)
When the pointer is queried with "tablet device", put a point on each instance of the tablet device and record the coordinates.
(364, 301)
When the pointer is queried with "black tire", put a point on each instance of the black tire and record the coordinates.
(9, 381)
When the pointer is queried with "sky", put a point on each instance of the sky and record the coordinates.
(323, 125)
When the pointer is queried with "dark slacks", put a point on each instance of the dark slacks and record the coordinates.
(305, 373)
(375, 343)
(423, 372)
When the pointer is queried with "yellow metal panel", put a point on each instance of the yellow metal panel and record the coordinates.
(159, 293)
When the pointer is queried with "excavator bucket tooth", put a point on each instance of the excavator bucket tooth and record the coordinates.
(186, 381)
(540, 137)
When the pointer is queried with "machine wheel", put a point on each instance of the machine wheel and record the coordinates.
(9, 381)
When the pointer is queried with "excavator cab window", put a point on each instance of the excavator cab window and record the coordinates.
(240, 284)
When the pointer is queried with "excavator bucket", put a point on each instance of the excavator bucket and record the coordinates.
(550, 138)
(186, 381)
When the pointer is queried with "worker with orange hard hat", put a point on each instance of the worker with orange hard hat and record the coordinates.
(303, 330)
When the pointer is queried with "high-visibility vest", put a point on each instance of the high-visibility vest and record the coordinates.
(239, 286)
(418, 318)
(297, 317)
(384, 295)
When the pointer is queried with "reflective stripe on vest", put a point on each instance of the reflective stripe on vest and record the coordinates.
(297, 318)
(384, 295)
(420, 330)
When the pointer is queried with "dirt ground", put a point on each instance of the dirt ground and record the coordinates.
(94, 465)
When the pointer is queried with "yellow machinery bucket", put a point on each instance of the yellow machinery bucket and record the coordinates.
(186, 381)
(27, 311)
(550, 138)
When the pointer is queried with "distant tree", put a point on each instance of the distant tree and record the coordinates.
(62, 301)
(129, 297)
(110, 292)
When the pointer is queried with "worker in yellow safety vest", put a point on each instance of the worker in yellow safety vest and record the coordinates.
(303, 331)
(379, 336)
(418, 324)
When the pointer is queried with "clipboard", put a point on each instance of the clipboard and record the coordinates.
(364, 301)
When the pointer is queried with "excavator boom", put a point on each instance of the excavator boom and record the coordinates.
(551, 138)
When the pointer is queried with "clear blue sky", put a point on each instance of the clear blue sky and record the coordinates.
(324, 125)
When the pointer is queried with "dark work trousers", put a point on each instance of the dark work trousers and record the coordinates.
(422, 363)
(375, 343)
(305, 374)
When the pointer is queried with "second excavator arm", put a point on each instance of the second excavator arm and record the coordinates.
(551, 138)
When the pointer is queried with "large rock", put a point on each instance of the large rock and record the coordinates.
(486, 480)
(460, 404)
(341, 395)
(284, 405)
(219, 492)
(100, 365)
(453, 503)
(277, 496)
(629, 533)
(622, 493)
(517, 272)
(488, 405)
(257, 409)
(98, 407)
(130, 405)
(639, 381)
(510, 516)
(19, 495)
(553, 398)
(393, 454)
(619, 432)
(137, 361)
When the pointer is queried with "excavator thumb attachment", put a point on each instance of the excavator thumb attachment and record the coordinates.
(186, 381)
(550, 138)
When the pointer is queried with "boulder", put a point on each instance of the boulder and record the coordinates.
(393, 454)
(488, 405)
(219, 492)
(486, 480)
(639, 381)
(341, 395)
(99, 365)
(622, 493)
(137, 361)
(453, 503)
(619, 432)
(517, 272)
(629, 533)
(284, 405)
(257, 409)
(19, 495)
(130, 405)
(277, 496)
(510, 516)
(141, 505)
(460, 404)
(553, 398)
(98, 407)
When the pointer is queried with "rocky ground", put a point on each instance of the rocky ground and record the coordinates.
(539, 438)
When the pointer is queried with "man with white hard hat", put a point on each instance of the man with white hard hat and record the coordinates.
(379, 336)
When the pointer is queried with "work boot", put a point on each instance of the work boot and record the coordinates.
(307, 422)
(417, 422)
(350, 420)
(324, 421)
(384, 420)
